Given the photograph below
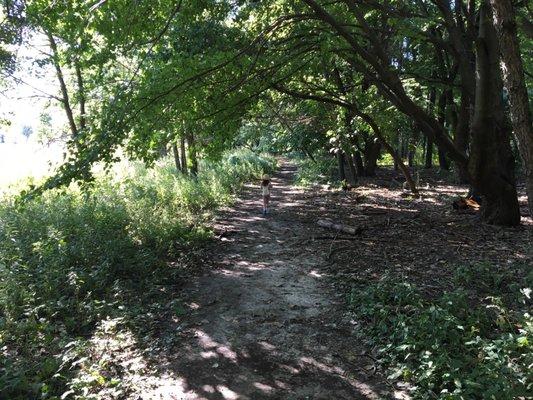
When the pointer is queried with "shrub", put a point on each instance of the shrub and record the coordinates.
(452, 347)
(69, 259)
(321, 171)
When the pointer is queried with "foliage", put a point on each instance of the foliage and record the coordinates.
(69, 259)
(322, 170)
(470, 343)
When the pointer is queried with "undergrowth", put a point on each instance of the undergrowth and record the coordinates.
(475, 342)
(71, 260)
(322, 170)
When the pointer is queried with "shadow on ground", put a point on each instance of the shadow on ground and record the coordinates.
(266, 324)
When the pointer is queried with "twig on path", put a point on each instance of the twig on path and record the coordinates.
(331, 246)
(333, 237)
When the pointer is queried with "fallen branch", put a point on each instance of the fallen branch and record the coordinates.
(352, 230)
(333, 238)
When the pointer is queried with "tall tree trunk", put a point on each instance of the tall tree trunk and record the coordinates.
(428, 163)
(443, 162)
(63, 86)
(513, 75)
(359, 163)
(81, 95)
(352, 169)
(340, 165)
(491, 162)
(397, 151)
(371, 154)
(429, 142)
(176, 154)
(183, 155)
(411, 158)
(191, 143)
(461, 138)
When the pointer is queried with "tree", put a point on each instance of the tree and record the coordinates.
(513, 74)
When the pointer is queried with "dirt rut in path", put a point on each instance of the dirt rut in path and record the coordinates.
(266, 325)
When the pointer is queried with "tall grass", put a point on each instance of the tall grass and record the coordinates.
(69, 259)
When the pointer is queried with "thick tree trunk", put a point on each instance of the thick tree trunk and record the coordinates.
(340, 165)
(359, 166)
(428, 163)
(461, 136)
(176, 154)
(443, 161)
(191, 144)
(513, 75)
(183, 156)
(491, 162)
(352, 169)
(372, 152)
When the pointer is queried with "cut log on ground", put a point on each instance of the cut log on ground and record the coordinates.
(352, 230)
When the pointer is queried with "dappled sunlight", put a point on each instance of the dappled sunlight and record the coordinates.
(265, 324)
(262, 326)
(316, 274)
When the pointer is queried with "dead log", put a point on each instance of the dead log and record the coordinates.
(352, 230)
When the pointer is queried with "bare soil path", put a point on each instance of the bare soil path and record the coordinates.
(267, 324)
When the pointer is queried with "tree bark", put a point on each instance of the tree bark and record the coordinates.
(513, 74)
(340, 165)
(359, 163)
(81, 96)
(183, 155)
(371, 154)
(461, 136)
(428, 163)
(352, 169)
(176, 154)
(429, 141)
(191, 143)
(443, 162)
(64, 91)
(491, 163)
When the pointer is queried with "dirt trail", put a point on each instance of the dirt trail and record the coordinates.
(266, 325)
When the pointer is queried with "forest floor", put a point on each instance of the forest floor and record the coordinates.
(269, 320)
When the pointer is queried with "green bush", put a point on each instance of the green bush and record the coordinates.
(453, 347)
(322, 170)
(69, 259)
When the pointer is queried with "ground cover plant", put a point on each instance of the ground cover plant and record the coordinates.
(475, 342)
(69, 259)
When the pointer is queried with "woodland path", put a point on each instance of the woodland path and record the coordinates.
(266, 324)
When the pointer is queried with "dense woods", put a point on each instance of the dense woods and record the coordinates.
(169, 107)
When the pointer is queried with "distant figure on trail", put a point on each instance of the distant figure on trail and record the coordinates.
(266, 186)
